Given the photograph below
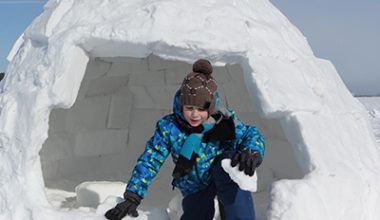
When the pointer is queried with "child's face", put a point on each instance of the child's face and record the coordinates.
(194, 115)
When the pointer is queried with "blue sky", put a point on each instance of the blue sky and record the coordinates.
(15, 16)
(345, 32)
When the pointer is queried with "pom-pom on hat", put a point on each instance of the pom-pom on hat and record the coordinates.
(199, 87)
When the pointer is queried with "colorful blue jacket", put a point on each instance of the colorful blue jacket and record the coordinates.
(168, 139)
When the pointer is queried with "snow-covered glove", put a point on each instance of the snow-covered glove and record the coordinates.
(128, 207)
(248, 161)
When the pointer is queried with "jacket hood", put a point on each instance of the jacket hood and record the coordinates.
(177, 103)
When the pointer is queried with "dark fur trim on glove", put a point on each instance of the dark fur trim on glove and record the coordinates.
(224, 130)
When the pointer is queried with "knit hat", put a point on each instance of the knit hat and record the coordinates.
(199, 87)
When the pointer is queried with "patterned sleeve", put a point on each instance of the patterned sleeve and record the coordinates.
(149, 163)
(249, 137)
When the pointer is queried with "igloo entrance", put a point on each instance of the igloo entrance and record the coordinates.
(119, 101)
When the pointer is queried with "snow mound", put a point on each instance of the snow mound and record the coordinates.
(91, 194)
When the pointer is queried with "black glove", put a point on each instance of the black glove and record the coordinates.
(128, 207)
(183, 166)
(248, 161)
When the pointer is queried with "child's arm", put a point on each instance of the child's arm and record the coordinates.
(250, 147)
(149, 163)
(249, 137)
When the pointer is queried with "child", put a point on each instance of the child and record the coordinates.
(198, 136)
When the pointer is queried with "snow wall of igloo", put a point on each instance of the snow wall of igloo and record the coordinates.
(120, 99)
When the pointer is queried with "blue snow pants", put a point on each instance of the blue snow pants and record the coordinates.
(237, 204)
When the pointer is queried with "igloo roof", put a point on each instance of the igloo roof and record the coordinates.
(331, 137)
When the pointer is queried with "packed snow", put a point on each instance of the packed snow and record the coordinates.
(245, 182)
(372, 105)
(88, 79)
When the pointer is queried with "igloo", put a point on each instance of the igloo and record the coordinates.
(88, 79)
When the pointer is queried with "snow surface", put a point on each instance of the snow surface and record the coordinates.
(327, 129)
(245, 182)
(91, 194)
(372, 105)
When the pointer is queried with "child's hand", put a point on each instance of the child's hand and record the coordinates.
(128, 207)
(248, 161)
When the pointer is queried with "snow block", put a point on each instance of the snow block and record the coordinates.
(251, 118)
(59, 198)
(237, 96)
(175, 75)
(119, 112)
(96, 67)
(58, 146)
(122, 66)
(221, 75)
(280, 158)
(57, 120)
(66, 86)
(75, 169)
(106, 85)
(270, 128)
(50, 170)
(99, 142)
(235, 72)
(223, 100)
(275, 130)
(143, 128)
(90, 113)
(83, 90)
(161, 191)
(111, 166)
(141, 97)
(162, 96)
(91, 194)
(157, 63)
(149, 78)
